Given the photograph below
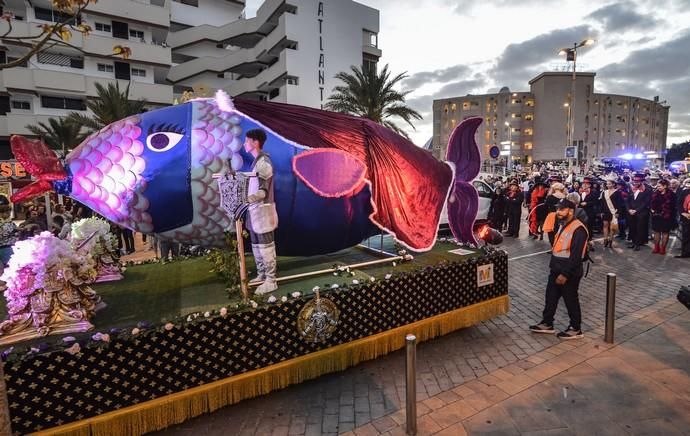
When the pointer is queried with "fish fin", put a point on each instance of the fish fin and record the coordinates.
(463, 203)
(315, 168)
(39, 161)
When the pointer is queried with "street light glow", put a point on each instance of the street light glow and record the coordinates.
(507, 123)
(588, 41)
(566, 104)
(563, 51)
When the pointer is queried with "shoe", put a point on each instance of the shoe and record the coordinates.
(266, 287)
(542, 327)
(571, 333)
(636, 248)
(256, 280)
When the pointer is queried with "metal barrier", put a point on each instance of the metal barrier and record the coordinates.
(610, 306)
(411, 384)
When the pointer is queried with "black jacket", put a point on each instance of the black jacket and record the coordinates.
(572, 266)
(642, 202)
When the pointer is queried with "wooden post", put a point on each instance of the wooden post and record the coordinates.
(243, 264)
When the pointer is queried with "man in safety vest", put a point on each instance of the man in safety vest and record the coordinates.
(569, 252)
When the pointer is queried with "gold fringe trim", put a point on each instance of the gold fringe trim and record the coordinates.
(176, 408)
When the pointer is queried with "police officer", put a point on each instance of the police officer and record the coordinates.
(568, 253)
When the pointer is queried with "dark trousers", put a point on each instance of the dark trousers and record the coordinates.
(685, 237)
(514, 222)
(568, 291)
(639, 227)
(169, 248)
(622, 227)
(128, 236)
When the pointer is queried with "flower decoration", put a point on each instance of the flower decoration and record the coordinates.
(283, 299)
(298, 294)
(74, 349)
(272, 299)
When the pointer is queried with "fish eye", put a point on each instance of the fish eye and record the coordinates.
(162, 141)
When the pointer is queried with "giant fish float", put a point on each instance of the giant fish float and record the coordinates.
(338, 179)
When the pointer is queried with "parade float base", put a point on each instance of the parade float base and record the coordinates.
(159, 377)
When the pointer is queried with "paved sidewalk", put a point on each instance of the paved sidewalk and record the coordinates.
(638, 386)
(348, 400)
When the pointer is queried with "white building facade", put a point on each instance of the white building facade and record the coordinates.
(535, 123)
(288, 53)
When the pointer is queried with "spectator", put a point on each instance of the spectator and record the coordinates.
(663, 211)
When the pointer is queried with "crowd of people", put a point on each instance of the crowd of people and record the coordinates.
(633, 207)
(63, 215)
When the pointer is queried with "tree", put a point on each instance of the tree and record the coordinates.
(58, 134)
(111, 105)
(371, 95)
(678, 152)
(66, 16)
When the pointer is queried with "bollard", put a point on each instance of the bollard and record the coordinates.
(610, 306)
(411, 384)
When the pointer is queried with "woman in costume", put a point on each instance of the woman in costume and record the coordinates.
(612, 206)
(663, 210)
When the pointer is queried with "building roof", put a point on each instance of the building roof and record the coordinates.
(561, 73)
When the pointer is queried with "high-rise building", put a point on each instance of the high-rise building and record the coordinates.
(536, 123)
(290, 53)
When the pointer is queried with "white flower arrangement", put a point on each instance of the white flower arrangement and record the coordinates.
(207, 314)
(272, 299)
(254, 304)
(372, 279)
(388, 276)
(355, 282)
(223, 311)
(334, 286)
(283, 298)
(297, 294)
(39, 260)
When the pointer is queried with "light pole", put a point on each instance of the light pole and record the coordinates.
(510, 147)
(571, 55)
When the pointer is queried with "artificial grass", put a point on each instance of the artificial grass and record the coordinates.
(157, 293)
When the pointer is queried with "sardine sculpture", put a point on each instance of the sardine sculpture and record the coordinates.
(338, 179)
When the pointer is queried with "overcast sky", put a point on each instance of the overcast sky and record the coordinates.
(452, 48)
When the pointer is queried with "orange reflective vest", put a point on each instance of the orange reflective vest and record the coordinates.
(564, 239)
(549, 223)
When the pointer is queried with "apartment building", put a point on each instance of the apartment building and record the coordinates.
(288, 53)
(535, 123)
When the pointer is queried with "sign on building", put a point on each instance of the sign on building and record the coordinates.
(485, 275)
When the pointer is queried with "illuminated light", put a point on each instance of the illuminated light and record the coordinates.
(653, 156)
(626, 156)
(505, 153)
(649, 152)
(639, 156)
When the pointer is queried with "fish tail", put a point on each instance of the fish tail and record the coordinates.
(41, 163)
(463, 201)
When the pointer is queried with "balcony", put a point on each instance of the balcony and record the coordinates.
(141, 51)
(243, 33)
(264, 52)
(265, 81)
(135, 10)
(15, 123)
(34, 80)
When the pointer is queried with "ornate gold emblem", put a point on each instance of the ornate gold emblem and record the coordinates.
(318, 319)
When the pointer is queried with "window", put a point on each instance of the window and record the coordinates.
(52, 15)
(138, 72)
(63, 103)
(528, 131)
(106, 68)
(102, 27)
(22, 105)
(453, 107)
(529, 117)
(136, 34)
(292, 80)
(59, 59)
(529, 103)
(465, 105)
(528, 145)
(516, 115)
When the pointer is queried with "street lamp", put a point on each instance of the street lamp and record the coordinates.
(510, 149)
(571, 55)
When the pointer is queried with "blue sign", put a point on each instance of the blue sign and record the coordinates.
(570, 152)
(494, 152)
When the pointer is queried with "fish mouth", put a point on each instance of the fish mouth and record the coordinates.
(107, 174)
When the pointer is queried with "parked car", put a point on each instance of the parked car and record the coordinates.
(485, 192)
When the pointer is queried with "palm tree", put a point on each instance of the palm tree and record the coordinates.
(58, 134)
(110, 106)
(371, 95)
